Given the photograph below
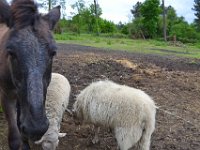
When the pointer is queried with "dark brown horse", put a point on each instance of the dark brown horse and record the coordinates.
(26, 52)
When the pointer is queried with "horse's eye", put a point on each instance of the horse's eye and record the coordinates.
(11, 53)
(52, 53)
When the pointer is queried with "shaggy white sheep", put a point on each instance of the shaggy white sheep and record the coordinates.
(57, 99)
(129, 112)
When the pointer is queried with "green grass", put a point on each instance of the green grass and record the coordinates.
(140, 46)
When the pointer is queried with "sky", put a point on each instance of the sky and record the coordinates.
(119, 10)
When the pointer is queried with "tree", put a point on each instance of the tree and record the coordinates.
(135, 28)
(86, 18)
(150, 10)
(97, 11)
(79, 6)
(96, 17)
(164, 21)
(172, 18)
(136, 10)
(197, 14)
(49, 4)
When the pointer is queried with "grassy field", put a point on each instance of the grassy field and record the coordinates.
(141, 46)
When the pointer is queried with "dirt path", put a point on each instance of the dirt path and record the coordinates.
(174, 84)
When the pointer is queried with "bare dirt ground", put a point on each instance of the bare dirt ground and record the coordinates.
(174, 84)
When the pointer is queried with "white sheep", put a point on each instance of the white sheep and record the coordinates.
(57, 99)
(129, 112)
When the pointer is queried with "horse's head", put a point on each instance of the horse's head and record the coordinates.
(30, 47)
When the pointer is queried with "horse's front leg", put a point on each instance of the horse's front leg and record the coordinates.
(25, 145)
(9, 108)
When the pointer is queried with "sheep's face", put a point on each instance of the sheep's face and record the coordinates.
(49, 141)
(49, 145)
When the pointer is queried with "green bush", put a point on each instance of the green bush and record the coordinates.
(107, 26)
(185, 33)
(124, 29)
(109, 42)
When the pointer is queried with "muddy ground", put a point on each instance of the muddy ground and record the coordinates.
(174, 84)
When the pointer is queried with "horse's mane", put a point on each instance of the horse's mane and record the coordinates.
(24, 13)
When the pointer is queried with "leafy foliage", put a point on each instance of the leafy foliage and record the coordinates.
(150, 11)
(136, 10)
(136, 28)
(147, 22)
(86, 19)
(106, 26)
(197, 14)
(49, 4)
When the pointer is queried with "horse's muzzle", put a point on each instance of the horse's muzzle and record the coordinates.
(34, 131)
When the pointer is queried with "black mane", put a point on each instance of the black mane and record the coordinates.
(24, 13)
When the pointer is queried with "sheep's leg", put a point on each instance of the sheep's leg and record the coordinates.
(69, 111)
(145, 140)
(127, 137)
(95, 140)
(144, 143)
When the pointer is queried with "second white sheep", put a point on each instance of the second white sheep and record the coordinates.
(129, 112)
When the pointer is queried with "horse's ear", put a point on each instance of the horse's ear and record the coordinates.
(5, 13)
(53, 17)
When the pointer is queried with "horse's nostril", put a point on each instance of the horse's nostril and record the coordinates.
(34, 131)
(24, 130)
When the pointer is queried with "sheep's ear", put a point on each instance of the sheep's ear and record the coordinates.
(39, 142)
(60, 135)
(5, 13)
(53, 17)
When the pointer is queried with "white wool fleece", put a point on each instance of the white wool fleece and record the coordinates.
(57, 100)
(128, 111)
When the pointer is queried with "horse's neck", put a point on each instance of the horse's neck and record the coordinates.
(3, 30)
(3, 65)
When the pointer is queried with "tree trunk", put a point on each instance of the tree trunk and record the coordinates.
(96, 15)
(164, 21)
(49, 5)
